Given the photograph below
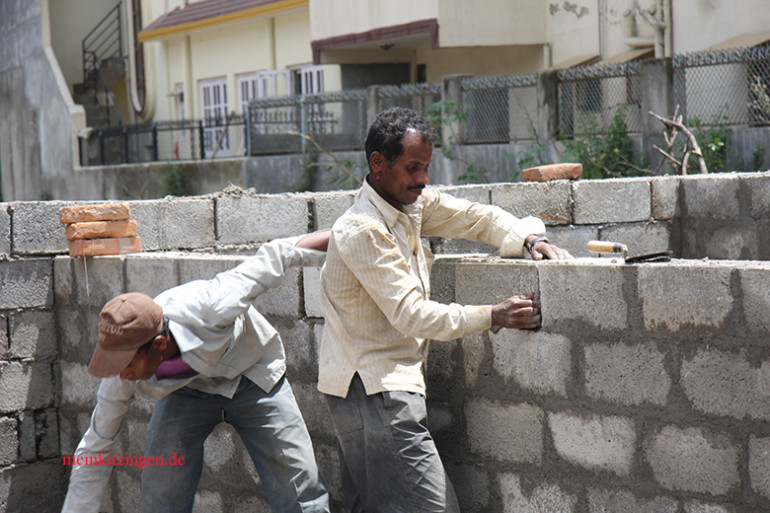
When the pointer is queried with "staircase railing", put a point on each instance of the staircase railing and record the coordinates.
(103, 42)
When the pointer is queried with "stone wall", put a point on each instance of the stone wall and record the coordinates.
(645, 390)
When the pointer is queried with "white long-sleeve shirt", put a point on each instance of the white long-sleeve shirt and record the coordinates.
(220, 335)
(375, 287)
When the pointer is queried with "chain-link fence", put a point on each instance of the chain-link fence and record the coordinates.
(418, 97)
(334, 121)
(722, 87)
(500, 109)
(590, 98)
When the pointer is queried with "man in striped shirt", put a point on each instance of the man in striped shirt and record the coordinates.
(375, 287)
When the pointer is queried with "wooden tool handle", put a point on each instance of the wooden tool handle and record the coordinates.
(602, 246)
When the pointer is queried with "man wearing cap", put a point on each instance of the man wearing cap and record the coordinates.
(205, 352)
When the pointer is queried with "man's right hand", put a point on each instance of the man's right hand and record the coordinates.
(519, 312)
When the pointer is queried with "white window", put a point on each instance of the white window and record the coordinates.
(216, 140)
(309, 80)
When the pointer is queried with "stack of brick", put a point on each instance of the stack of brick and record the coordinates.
(100, 229)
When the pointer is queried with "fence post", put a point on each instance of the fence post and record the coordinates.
(451, 91)
(372, 103)
(155, 152)
(202, 139)
(657, 95)
(547, 122)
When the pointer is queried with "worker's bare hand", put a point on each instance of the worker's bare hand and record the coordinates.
(547, 250)
(519, 312)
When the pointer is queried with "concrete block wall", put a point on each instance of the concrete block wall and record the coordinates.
(633, 364)
(645, 390)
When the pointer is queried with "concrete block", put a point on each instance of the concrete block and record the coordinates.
(702, 193)
(758, 186)
(472, 486)
(726, 384)
(328, 206)
(301, 359)
(219, 448)
(573, 238)
(759, 465)
(488, 282)
(685, 296)
(475, 353)
(96, 280)
(3, 337)
(205, 267)
(665, 197)
(701, 507)
(149, 217)
(573, 292)
(510, 433)
(282, 300)
(755, 289)
(248, 219)
(313, 408)
(693, 460)
(47, 433)
(76, 329)
(607, 501)
(623, 200)
(442, 365)
(36, 229)
(536, 361)
(550, 201)
(594, 443)
(35, 487)
(151, 274)
(476, 193)
(328, 458)
(78, 388)
(26, 283)
(32, 334)
(626, 374)
(27, 442)
(741, 240)
(546, 497)
(9, 441)
(442, 246)
(186, 223)
(5, 231)
(311, 284)
(641, 238)
(30, 383)
(442, 279)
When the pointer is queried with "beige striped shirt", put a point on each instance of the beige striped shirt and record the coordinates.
(375, 287)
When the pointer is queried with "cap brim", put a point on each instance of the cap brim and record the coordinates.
(107, 363)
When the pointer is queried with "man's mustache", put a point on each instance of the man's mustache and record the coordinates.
(416, 187)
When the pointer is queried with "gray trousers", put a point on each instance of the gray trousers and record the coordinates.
(389, 460)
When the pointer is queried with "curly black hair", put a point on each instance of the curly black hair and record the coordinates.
(386, 132)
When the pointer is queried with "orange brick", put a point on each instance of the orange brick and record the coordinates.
(101, 230)
(102, 212)
(115, 246)
(552, 172)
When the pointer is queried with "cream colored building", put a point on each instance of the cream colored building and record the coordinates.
(430, 39)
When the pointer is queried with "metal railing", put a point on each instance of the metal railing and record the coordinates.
(165, 141)
(102, 43)
(714, 87)
(335, 121)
